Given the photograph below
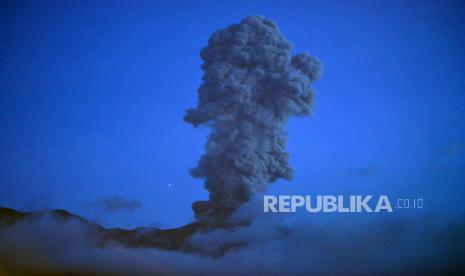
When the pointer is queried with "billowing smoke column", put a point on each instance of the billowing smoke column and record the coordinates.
(251, 85)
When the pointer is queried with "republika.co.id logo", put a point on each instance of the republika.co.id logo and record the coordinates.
(339, 203)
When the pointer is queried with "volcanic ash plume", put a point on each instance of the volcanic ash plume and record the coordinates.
(251, 85)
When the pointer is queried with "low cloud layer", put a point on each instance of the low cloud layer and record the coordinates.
(272, 243)
(116, 203)
(363, 171)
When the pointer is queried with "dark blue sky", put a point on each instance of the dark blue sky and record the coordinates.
(92, 96)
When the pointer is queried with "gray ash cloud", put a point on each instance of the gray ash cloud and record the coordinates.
(251, 86)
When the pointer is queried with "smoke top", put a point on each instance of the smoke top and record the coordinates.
(252, 84)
